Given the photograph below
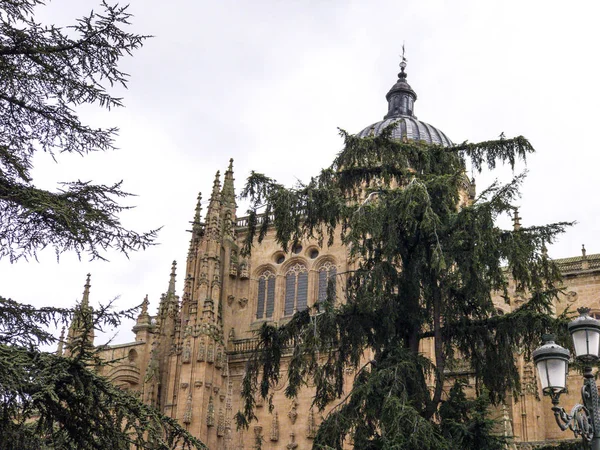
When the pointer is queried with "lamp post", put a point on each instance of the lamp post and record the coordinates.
(552, 362)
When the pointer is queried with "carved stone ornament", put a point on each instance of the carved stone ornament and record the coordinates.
(187, 415)
(210, 415)
(244, 270)
(293, 444)
(275, 427)
(186, 354)
(243, 302)
(221, 423)
(219, 358)
(198, 384)
(311, 432)
(258, 437)
(184, 385)
(203, 278)
(201, 350)
(529, 380)
(230, 299)
(225, 371)
(210, 356)
(233, 271)
(293, 414)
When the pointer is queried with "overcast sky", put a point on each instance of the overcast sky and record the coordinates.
(268, 83)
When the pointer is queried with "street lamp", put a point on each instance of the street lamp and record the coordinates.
(552, 362)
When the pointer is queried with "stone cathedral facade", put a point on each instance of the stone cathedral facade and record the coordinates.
(188, 359)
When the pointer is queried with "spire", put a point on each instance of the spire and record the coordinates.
(401, 96)
(228, 192)
(213, 212)
(197, 228)
(216, 187)
(82, 326)
(196, 224)
(85, 301)
(173, 275)
(516, 220)
(61, 342)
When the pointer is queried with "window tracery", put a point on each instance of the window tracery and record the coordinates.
(296, 289)
(327, 274)
(265, 304)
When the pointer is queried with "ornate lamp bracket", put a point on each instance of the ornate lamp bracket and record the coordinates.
(584, 418)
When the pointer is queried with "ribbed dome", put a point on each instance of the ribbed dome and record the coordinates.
(401, 99)
(409, 128)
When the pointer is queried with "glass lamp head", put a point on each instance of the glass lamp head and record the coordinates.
(552, 362)
(585, 332)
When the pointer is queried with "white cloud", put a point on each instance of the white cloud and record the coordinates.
(268, 82)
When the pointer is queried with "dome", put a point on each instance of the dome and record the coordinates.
(401, 99)
(409, 128)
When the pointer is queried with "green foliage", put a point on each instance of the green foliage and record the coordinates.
(426, 261)
(49, 401)
(47, 72)
(466, 423)
(55, 402)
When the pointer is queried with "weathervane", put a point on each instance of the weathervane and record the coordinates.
(403, 62)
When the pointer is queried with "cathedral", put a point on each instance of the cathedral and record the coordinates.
(189, 358)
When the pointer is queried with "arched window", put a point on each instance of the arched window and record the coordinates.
(327, 273)
(265, 304)
(296, 289)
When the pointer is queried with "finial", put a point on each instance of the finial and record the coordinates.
(145, 303)
(583, 252)
(86, 292)
(228, 192)
(548, 338)
(172, 278)
(402, 74)
(197, 214)
(216, 187)
(228, 180)
(584, 311)
(516, 220)
(61, 341)
(198, 207)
